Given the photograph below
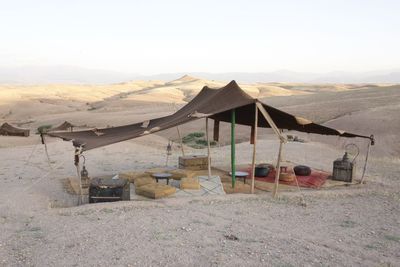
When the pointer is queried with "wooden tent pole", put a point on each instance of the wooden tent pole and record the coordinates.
(278, 170)
(253, 164)
(208, 151)
(233, 163)
(366, 161)
(179, 134)
(77, 154)
(180, 140)
(270, 122)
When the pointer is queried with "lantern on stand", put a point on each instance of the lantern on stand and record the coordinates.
(344, 169)
(85, 180)
(169, 151)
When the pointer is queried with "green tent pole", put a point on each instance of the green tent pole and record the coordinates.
(233, 164)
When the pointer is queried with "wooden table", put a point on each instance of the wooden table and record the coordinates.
(240, 175)
(162, 176)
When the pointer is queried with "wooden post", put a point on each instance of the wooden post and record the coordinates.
(180, 140)
(270, 122)
(179, 133)
(77, 154)
(366, 161)
(254, 137)
(233, 163)
(208, 151)
(278, 170)
(216, 130)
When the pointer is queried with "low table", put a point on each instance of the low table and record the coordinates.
(107, 189)
(162, 176)
(240, 175)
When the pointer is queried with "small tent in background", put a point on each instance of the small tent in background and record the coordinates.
(7, 129)
(65, 126)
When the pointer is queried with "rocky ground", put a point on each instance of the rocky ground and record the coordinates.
(350, 226)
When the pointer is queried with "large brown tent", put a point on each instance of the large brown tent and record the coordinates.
(228, 104)
(8, 129)
(216, 104)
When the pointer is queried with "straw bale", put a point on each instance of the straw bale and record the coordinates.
(155, 190)
(239, 188)
(144, 180)
(190, 183)
(287, 176)
(178, 174)
(131, 176)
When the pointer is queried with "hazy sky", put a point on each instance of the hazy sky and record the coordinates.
(151, 36)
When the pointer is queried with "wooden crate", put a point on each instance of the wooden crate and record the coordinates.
(194, 162)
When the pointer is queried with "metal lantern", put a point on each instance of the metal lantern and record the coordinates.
(344, 169)
(169, 151)
(169, 148)
(84, 172)
(85, 180)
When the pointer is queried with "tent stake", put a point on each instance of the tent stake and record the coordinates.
(253, 164)
(208, 151)
(278, 170)
(233, 166)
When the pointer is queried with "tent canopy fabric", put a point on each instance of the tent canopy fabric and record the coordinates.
(66, 125)
(8, 129)
(216, 104)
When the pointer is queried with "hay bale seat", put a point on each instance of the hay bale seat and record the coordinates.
(144, 180)
(155, 190)
(190, 183)
(131, 176)
(287, 176)
(239, 188)
(178, 174)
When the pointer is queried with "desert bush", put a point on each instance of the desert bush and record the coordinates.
(201, 142)
(196, 134)
(187, 139)
(197, 140)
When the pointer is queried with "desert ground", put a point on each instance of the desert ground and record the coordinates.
(41, 224)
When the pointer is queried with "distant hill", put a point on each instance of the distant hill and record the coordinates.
(77, 75)
(60, 75)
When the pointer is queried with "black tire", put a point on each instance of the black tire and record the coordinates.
(302, 170)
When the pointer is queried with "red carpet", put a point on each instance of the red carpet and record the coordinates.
(315, 180)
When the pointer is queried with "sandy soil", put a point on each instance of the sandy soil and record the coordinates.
(344, 226)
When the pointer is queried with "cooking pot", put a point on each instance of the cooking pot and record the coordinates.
(261, 170)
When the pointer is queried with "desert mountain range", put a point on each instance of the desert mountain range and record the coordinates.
(78, 75)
